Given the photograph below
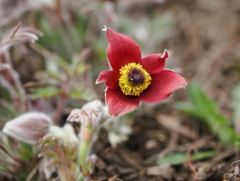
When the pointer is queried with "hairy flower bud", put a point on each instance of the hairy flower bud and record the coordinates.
(65, 134)
(92, 113)
(29, 127)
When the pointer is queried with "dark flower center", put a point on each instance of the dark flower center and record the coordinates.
(135, 77)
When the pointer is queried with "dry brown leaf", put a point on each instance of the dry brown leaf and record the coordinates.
(163, 170)
(173, 123)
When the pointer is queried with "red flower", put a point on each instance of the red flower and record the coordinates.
(133, 78)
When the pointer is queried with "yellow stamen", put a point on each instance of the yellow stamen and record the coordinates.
(134, 79)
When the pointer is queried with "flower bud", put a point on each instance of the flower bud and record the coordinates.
(65, 134)
(92, 113)
(29, 127)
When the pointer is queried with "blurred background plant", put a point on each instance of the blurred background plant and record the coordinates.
(52, 51)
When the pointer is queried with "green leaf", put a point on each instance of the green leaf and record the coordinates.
(202, 103)
(80, 69)
(50, 77)
(45, 92)
(25, 151)
(81, 93)
(187, 108)
(53, 75)
(3, 166)
(5, 93)
(7, 111)
(78, 66)
(206, 109)
(180, 158)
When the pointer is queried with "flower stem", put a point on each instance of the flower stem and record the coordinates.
(86, 135)
(82, 154)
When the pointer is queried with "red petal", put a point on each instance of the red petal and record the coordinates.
(154, 63)
(119, 104)
(110, 78)
(162, 86)
(121, 50)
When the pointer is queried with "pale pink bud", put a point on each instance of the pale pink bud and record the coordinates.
(92, 113)
(29, 127)
(73, 116)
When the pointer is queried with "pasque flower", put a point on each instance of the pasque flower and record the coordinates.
(132, 78)
(28, 127)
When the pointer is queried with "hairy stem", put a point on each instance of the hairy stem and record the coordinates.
(86, 135)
